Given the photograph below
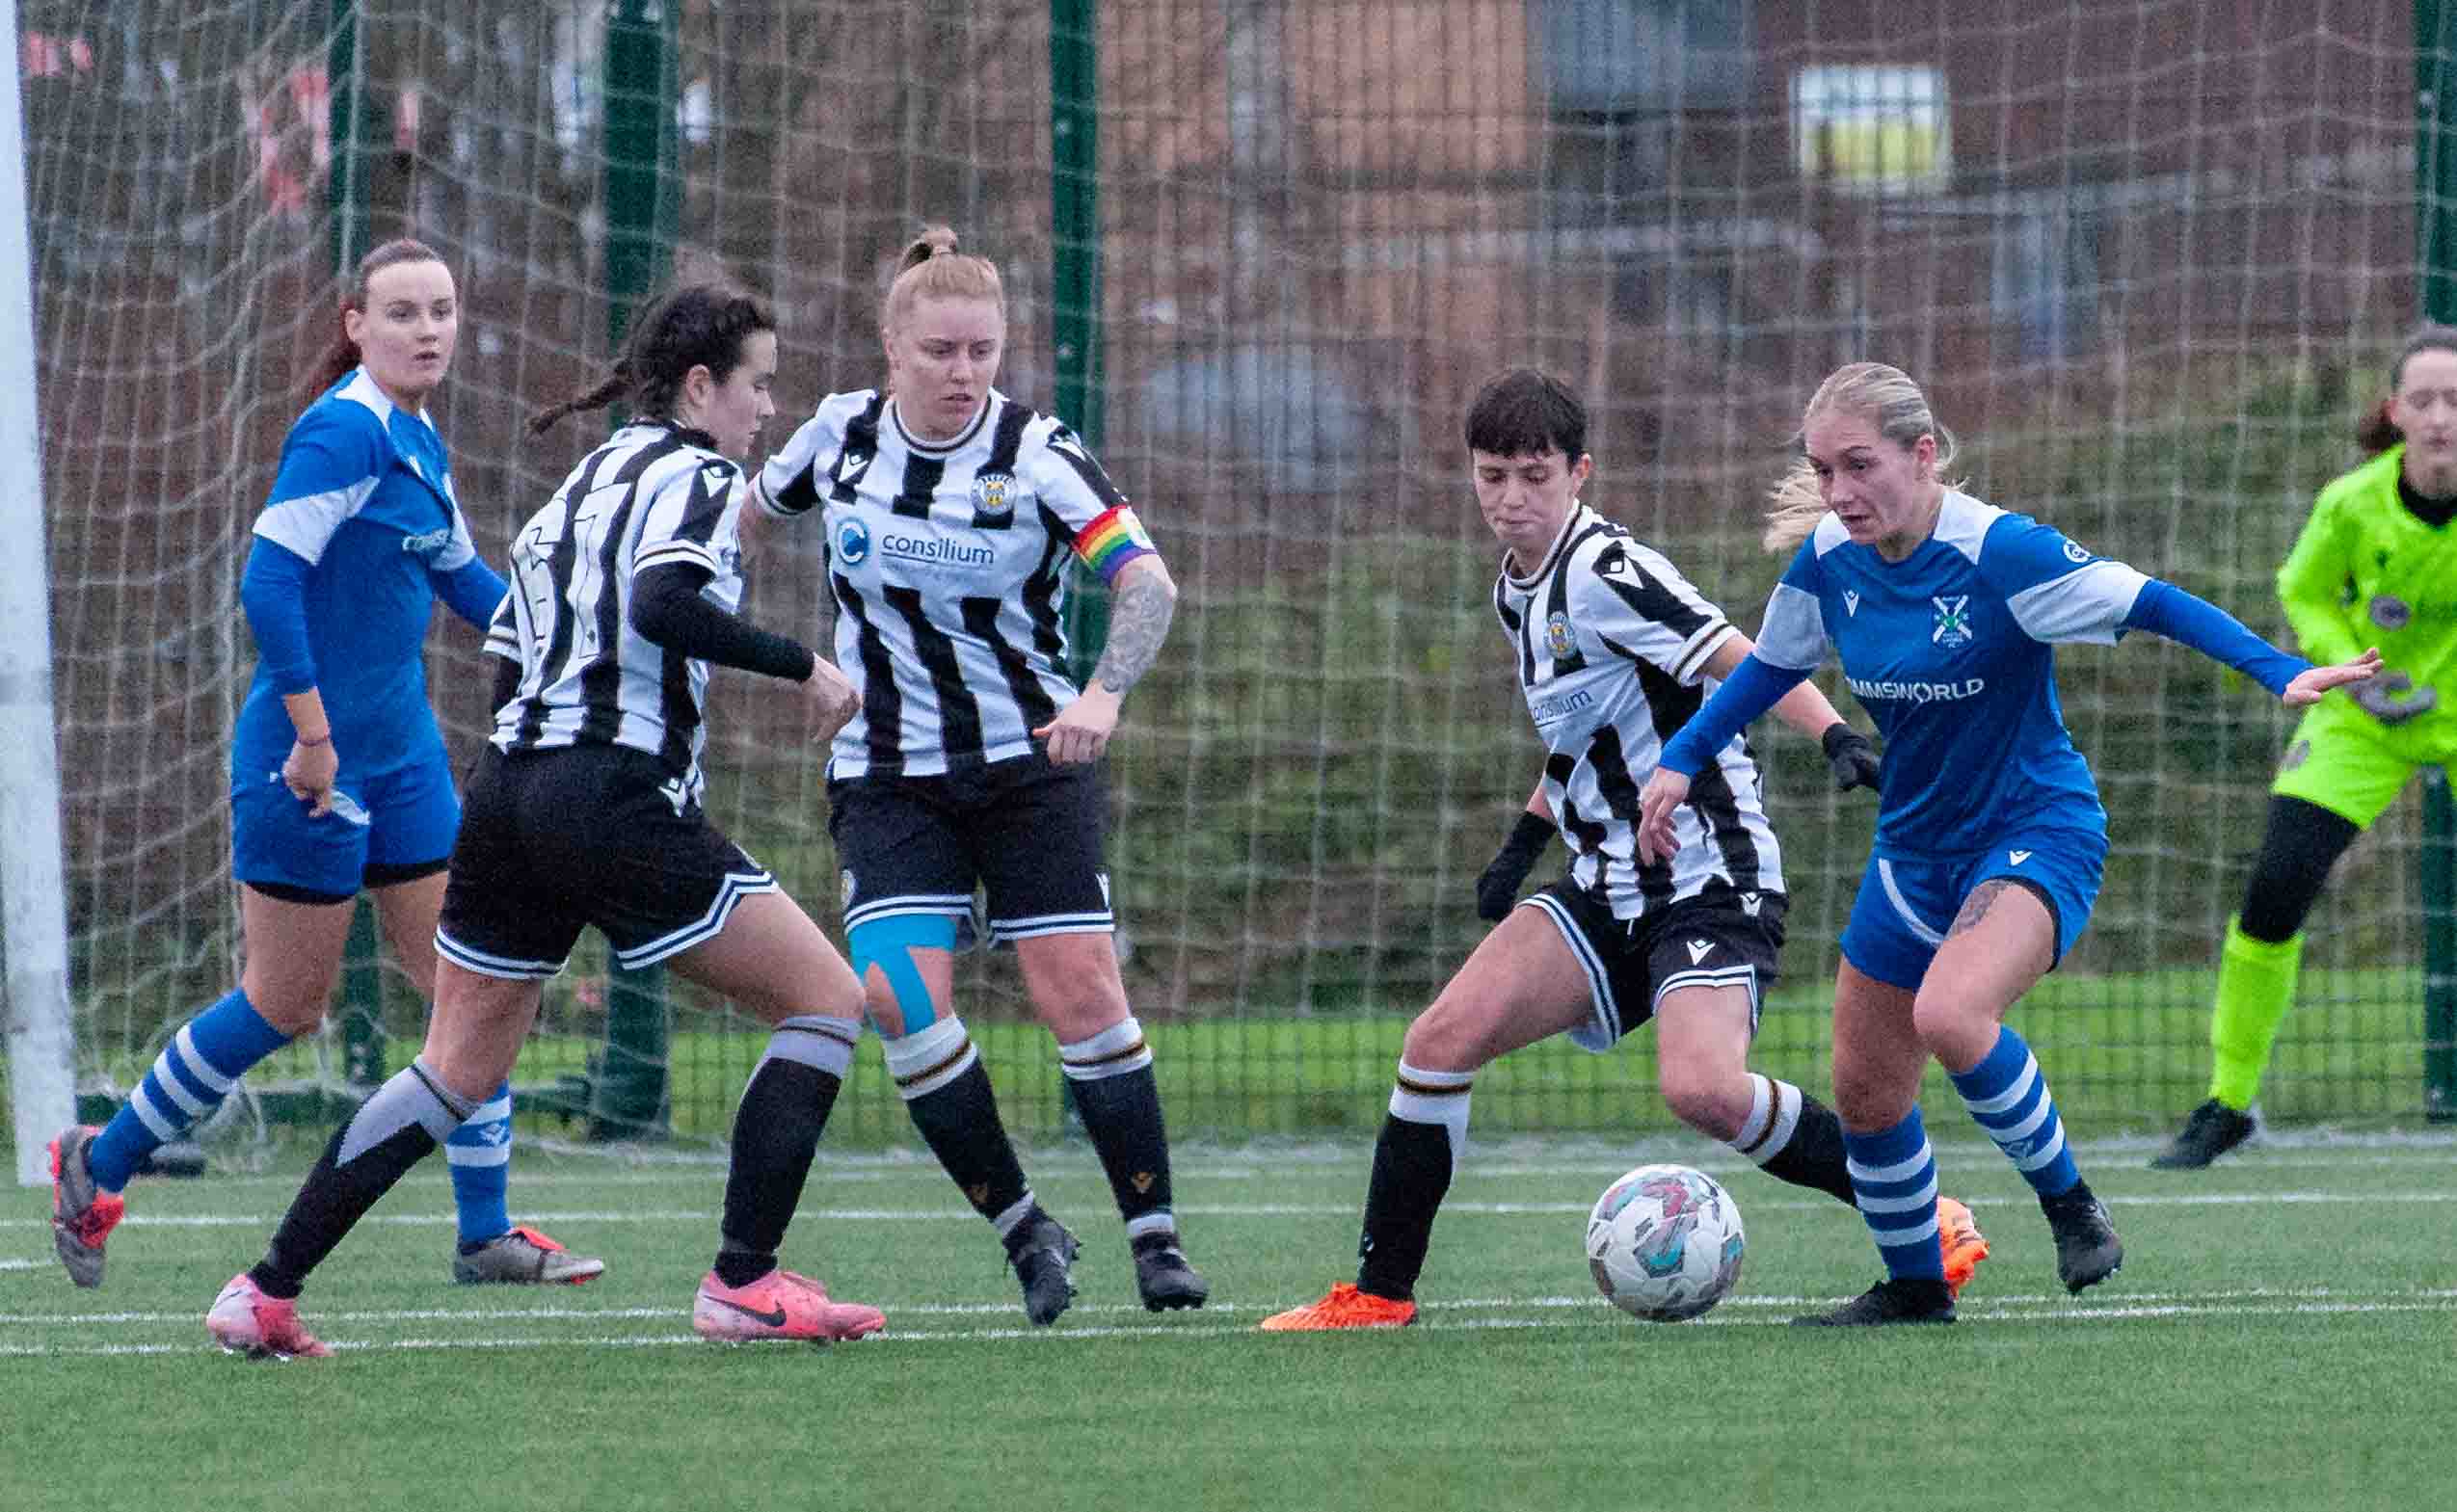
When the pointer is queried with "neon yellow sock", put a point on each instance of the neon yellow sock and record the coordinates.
(2255, 987)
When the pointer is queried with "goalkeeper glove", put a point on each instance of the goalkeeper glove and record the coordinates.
(1497, 890)
(2377, 695)
(1852, 757)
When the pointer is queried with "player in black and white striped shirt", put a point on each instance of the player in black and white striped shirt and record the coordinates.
(1614, 650)
(949, 513)
(585, 812)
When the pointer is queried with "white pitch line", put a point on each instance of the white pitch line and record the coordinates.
(2305, 1298)
(565, 1162)
(1343, 1209)
(893, 1336)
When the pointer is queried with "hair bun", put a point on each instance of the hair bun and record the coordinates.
(935, 241)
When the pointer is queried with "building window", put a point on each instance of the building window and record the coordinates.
(1872, 128)
(1644, 55)
(1616, 77)
(2044, 281)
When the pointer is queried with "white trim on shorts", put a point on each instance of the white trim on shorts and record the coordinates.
(1902, 909)
(737, 886)
(952, 904)
(1743, 976)
(1603, 1030)
(1003, 931)
(503, 969)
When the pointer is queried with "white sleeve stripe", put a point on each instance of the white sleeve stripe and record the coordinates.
(1701, 650)
(2086, 604)
(305, 523)
(674, 550)
(1793, 635)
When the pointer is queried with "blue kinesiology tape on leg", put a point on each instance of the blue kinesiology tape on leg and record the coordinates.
(889, 943)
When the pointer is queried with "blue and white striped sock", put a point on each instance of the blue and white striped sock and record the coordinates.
(480, 1156)
(187, 1081)
(1894, 1185)
(2008, 1096)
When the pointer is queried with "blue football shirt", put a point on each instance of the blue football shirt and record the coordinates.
(1952, 652)
(364, 495)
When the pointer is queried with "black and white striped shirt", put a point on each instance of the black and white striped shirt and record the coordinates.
(1612, 644)
(654, 495)
(948, 565)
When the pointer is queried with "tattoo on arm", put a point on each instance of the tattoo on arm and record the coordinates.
(1975, 906)
(1140, 616)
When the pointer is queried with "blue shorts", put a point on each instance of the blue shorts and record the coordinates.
(1906, 906)
(404, 818)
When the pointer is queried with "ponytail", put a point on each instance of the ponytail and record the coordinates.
(703, 323)
(2375, 433)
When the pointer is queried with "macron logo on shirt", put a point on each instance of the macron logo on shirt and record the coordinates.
(1851, 602)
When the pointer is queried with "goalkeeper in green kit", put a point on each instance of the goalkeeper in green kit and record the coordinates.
(2375, 565)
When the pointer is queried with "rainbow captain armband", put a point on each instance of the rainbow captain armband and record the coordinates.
(1111, 542)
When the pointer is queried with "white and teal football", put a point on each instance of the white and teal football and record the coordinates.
(1665, 1244)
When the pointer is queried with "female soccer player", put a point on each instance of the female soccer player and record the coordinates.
(1990, 835)
(338, 777)
(585, 811)
(1613, 647)
(950, 509)
(2370, 565)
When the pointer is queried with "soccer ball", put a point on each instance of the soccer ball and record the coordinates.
(1664, 1243)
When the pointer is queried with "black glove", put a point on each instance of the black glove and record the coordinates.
(1853, 759)
(2378, 697)
(1497, 890)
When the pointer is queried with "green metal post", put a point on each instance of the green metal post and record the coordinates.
(630, 1100)
(1075, 304)
(345, 186)
(2436, 154)
(643, 205)
(1075, 278)
(643, 211)
(2438, 864)
(362, 1003)
(2436, 228)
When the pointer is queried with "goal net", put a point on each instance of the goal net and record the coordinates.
(2148, 256)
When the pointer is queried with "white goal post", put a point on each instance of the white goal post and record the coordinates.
(34, 926)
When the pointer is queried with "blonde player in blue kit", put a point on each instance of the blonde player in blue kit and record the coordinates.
(338, 777)
(1945, 612)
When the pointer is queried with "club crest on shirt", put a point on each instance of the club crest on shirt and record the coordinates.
(2076, 552)
(853, 542)
(994, 494)
(1953, 626)
(1557, 634)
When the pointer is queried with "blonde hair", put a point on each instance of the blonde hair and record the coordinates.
(931, 267)
(1887, 398)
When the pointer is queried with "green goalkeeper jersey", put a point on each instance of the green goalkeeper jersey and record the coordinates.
(2367, 572)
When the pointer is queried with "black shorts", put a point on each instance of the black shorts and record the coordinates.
(1718, 939)
(552, 841)
(1023, 830)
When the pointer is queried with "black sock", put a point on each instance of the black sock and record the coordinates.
(1814, 1155)
(1411, 1176)
(400, 1125)
(1122, 1115)
(960, 1123)
(776, 1135)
